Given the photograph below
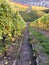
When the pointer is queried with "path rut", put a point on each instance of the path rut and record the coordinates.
(26, 57)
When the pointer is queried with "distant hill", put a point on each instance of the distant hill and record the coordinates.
(19, 6)
(44, 3)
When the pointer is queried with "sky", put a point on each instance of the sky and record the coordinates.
(24, 1)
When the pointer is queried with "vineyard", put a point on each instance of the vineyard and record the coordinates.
(24, 34)
(39, 34)
(35, 13)
(18, 6)
(11, 25)
(42, 23)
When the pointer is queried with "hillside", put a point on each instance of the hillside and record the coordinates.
(24, 34)
(11, 24)
(41, 23)
(39, 34)
(39, 10)
(19, 6)
(35, 13)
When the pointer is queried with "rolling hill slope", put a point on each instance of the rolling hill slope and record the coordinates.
(41, 23)
(19, 6)
(35, 13)
(11, 25)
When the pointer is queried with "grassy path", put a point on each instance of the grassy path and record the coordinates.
(41, 45)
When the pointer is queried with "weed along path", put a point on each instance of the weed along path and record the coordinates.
(26, 57)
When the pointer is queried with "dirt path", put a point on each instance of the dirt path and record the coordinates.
(26, 57)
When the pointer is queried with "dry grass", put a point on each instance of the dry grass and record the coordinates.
(39, 9)
(19, 7)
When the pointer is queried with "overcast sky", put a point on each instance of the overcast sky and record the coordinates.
(24, 1)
